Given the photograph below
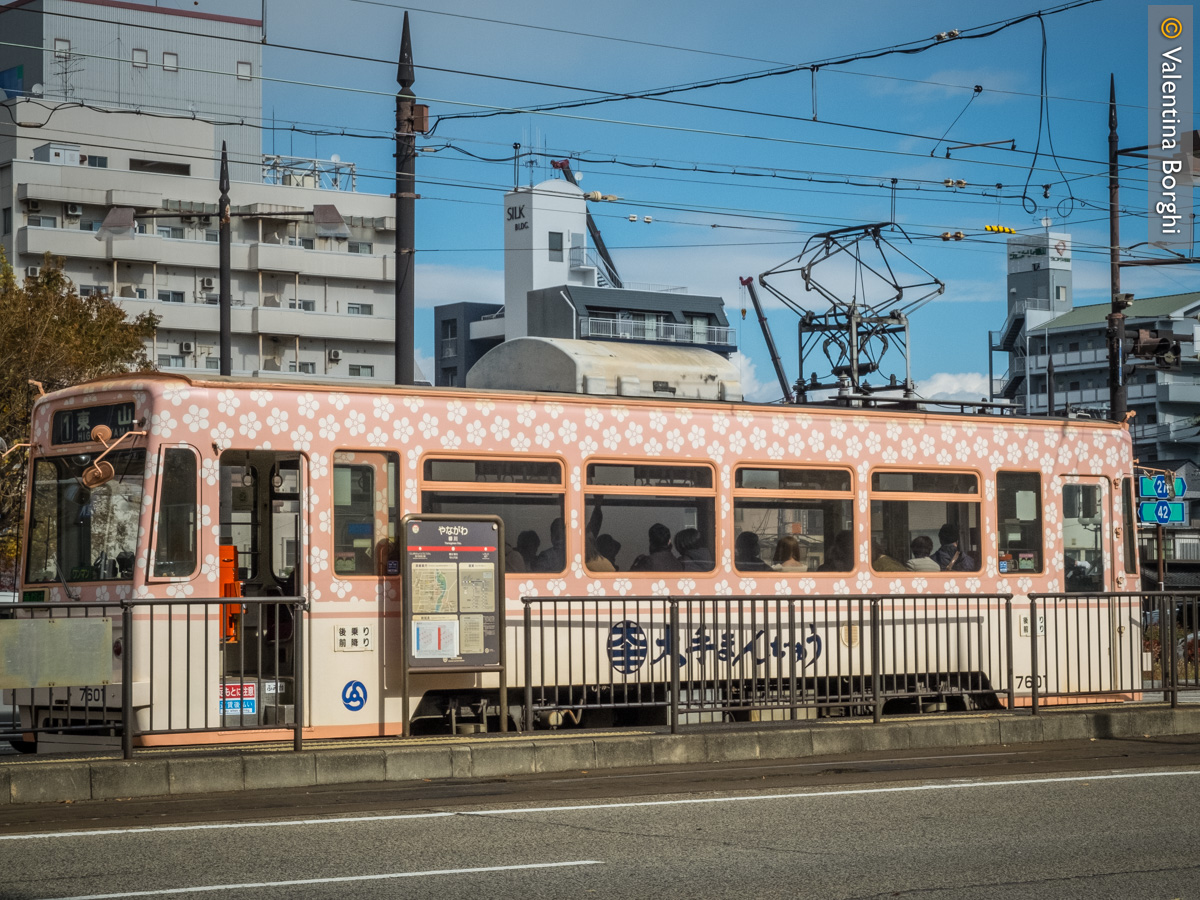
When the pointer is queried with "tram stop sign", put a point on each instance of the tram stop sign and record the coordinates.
(1161, 512)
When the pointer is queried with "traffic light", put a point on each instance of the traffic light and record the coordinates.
(1147, 343)
(999, 229)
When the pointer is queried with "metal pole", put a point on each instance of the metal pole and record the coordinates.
(528, 664)
(406, 167)
(1033, 653)
(876, 664)
(1160, 537)
(674, 650)
(127, 680)
(1117, 402)
(1008, 642)
(224, 237)
(299, 683)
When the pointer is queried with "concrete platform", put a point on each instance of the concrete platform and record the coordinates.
(181, 771)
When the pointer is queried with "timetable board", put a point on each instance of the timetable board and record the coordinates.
(453, 591)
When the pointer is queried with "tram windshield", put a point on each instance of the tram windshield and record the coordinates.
(81, 534)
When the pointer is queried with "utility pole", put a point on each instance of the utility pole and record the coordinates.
(406, 167)
(224, 237)
(1117, 401)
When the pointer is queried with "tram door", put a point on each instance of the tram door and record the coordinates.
(1091, 629)
(261, 536)
(366, 553)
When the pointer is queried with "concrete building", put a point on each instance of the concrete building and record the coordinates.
(1045, 332)
(303, 304)
(556, 286)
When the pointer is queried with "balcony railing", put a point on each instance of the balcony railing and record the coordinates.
(665, 332)
(449, 348)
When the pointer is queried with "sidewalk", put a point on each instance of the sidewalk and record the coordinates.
(178, 771)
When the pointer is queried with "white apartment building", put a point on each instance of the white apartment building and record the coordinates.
(302, 303)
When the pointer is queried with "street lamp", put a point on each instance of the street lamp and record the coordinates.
(120, 224)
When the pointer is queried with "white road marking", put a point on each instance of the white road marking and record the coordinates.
(341, 879)
(583, 807)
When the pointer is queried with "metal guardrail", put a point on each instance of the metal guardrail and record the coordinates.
(708, 657)
(197, 669)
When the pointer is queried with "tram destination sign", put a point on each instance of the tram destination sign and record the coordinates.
(74, 426)
(1161, 512)
(453, 592)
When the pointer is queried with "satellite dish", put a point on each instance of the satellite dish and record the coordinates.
(37, 90)
(335, 158)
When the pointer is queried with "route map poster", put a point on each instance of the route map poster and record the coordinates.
(454, 611)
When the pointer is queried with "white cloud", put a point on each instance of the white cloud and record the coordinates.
(752, 387)
(966, 386)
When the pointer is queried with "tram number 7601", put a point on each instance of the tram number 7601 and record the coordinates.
(1025, 682)
(85, 695)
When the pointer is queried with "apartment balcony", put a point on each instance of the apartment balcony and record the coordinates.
(449, 348)
(280, 322)
(1178, 391)
(266, 257)
(715, 337)
(66, 242)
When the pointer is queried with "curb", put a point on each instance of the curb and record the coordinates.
(108, 779)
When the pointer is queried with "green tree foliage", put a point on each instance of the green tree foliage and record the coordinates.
(50, 334)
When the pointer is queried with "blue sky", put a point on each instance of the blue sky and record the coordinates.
(712, 227)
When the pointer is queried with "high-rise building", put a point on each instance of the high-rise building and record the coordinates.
(126, 105)
(557, 286)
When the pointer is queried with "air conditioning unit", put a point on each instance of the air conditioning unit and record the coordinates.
(187, 219)
(33, 271)
(335, 355)
(205, 220)
(206, 284)
(74, 210)
(34, 205)
(186, 347)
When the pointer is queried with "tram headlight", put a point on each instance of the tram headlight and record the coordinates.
(118, 648)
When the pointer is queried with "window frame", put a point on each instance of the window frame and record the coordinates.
(610, 492)
(173, 64)
(560, 489)
(248, 72)
(750, 493)
(1041, 569)
(152, 569)
(881, 495)
(391, 528)
(142, 62)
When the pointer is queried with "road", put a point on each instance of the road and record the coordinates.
(1088, 819)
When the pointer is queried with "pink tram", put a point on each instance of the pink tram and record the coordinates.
(303, 487)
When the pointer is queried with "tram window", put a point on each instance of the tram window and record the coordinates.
(365, 493)
(928, 532)
(800, 530)
(649, 534)
(640, 475)
(527, 495)
(76, 534)
(493, 471)
(1130, 532)
(239, 516)
(670, 530)
(175, 542)
(285, 521)
(533, 524)
(1019, 522)
(1083, 541)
